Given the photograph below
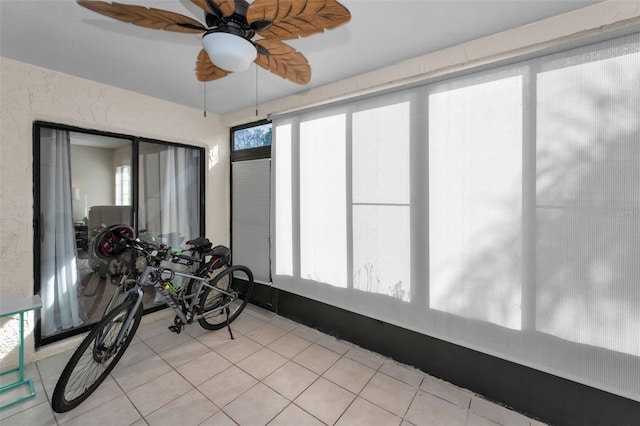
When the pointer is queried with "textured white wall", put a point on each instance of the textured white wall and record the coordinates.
(30, 93)
(92, 173)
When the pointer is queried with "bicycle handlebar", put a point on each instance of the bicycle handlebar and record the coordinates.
(162, 252)
(158, 252)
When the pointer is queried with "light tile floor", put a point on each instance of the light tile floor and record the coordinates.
(275, 372)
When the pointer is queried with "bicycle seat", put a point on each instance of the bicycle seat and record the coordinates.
(220, 251)
(200, 243)
(220, 256)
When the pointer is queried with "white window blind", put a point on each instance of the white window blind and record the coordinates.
(475, 199)
(283, 220)
(323, 231)
(381, 199)
(499, 210)
(251, 198)
(588, 200)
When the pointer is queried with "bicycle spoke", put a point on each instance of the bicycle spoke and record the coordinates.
(237, 282)
(87, 372)
(95, 358)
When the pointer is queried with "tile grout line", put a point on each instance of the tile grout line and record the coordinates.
(271, 320)
(128, 398)
(172, 369)
(290, 359)
(48, 397)
(219, 409)
(357, 395)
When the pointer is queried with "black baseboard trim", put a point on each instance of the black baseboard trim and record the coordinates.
(536, 394)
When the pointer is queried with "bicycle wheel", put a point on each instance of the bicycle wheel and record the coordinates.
(94, 359)
(237, 280)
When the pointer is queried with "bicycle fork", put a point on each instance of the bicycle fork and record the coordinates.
(125, 324)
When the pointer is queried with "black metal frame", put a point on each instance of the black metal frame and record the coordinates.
(259, 296)
(249, 153)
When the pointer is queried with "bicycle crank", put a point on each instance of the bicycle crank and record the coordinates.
(177, 326)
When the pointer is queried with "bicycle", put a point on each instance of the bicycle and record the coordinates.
(215, 295)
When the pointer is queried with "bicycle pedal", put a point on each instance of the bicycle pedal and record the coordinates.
(175, 328)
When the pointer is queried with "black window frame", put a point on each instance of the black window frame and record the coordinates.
(248, 153)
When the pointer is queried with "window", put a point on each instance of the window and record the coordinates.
(252, 137)
(497, 210)
(475, 188)
(123, 185)
(251, 198)
(251, 141)
(382, 199)
(588, 199)
(323, 213)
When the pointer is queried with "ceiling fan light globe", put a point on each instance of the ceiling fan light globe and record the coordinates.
(228, 51)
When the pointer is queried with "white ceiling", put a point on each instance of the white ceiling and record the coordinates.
(60, 35)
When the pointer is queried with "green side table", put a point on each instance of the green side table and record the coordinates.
(12, 303)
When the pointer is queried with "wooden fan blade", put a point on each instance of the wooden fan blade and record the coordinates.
(205, 70)
(295, 18)
(145, 17)
(218, 8)
(283, 60)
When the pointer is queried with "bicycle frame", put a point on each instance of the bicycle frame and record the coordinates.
(132, 312)
(190, 315)
(156, 273)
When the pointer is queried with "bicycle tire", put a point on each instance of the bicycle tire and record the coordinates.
(90, 365)
(239, 279)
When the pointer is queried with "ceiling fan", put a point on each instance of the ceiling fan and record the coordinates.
(238, 33)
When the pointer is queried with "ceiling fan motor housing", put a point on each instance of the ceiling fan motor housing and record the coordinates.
(236, 25)
(225, 51)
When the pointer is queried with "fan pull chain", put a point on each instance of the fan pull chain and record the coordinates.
(205, 99)
(256, 90)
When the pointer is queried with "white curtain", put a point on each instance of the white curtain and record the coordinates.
(499, 210)
(59, 274)
(179, 195)
(169, 192)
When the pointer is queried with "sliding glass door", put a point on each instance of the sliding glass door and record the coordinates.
(85, 181)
